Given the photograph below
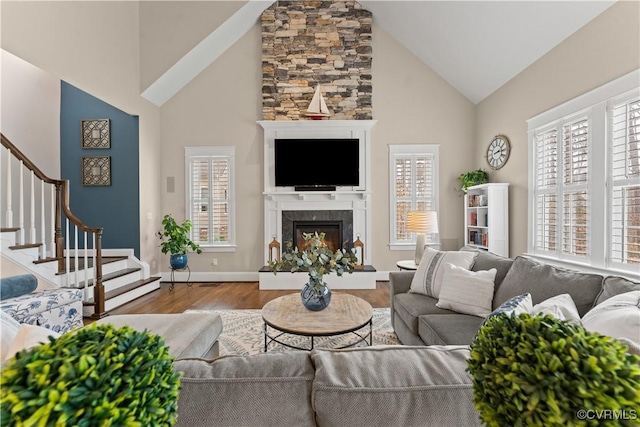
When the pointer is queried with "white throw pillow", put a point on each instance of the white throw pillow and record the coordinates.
(9, 328)
(428, 278)
(561, 307)
(618, 317)
(30, 336)
(467, 292)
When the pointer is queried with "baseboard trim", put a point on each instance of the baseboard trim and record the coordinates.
(231, 276)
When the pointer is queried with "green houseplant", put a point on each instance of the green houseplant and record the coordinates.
(541, 371)
(317, 260)
(471, 178)
(97, 376)
(175, 241)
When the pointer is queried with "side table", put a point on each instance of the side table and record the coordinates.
(407, 264)
(173, 277)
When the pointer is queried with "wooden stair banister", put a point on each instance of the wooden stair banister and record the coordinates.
(62, 209)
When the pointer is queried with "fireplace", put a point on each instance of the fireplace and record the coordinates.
(337, 226)
(331, 229)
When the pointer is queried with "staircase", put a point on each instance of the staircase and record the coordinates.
(36, 208)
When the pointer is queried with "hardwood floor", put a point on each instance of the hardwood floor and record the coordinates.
(225, 296)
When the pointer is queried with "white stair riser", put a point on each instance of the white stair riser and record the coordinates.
(113, 284)
(130, 296)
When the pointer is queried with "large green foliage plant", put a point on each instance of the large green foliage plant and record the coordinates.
(541, 371)
(97, 376)
(175, 238)
(471, 178)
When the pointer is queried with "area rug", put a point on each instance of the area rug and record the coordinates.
(243, 333)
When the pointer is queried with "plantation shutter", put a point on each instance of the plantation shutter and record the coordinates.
(624, 122)
(414, 189)
(575, 212)
(210, 191)
(546, 171)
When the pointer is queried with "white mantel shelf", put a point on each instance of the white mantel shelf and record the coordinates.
(353, 198)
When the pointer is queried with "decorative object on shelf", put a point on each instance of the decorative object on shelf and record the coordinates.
(317, 107)
(129, 375)
(274, 250)
(175, 241)
(358, 247)
(597, 372)
(471, 178)
(422, 223)
(96, 133)
(317, 260)
(96, 170)
(498, 151)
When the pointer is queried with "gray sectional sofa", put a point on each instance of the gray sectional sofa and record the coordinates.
(418, 321)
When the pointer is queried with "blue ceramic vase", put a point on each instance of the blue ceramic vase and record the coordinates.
(315, 295)
(178, 261)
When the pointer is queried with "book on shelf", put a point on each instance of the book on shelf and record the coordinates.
(473, 218)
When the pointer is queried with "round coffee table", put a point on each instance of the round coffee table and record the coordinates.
(346, 314)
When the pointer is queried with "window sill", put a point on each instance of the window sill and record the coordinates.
(221, 248)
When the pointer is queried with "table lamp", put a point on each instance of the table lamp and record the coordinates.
(422, 223)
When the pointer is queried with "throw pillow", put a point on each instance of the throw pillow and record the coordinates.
(614, 285)
(9, 328)
(561, 307)
(516, 305)
(15, 286)
(30, 336)
(428, 278)
(618, 317)
(467, 292)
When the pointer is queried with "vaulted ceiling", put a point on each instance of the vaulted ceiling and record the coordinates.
(476, 46)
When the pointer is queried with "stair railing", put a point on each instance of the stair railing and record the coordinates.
(65, 248)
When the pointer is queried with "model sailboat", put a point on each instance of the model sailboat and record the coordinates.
(317, 108)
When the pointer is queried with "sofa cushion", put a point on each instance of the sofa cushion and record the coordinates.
(15, 286)
(428, 277)
(186, 334)
(467, 292)
(514, 305)
(272, 389)
(614, 285)
(393, 386)
(617, 317)
(487, 260)
(411, 306)
(454, 329)
(544, 281)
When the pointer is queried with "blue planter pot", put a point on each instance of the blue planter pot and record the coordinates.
(178, 262)
(315, 295)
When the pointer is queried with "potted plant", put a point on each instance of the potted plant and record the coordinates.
(317, 260)
(98, 375)
(541, 371)
(175, 241)
(471, 178)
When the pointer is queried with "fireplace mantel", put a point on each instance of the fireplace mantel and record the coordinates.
(356, 199)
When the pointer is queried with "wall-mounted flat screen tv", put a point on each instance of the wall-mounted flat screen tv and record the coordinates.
(317, 162)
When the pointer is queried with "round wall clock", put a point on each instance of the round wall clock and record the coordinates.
(498, 151)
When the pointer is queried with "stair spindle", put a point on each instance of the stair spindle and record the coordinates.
(43, 230)
(53, 221)
(21, 204)
(75, 256)
(9, 211)
(32, 209)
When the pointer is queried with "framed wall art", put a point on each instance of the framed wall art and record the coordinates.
(96, 133)
(96, 170)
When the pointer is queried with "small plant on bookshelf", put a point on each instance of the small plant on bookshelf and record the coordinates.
(471, 178)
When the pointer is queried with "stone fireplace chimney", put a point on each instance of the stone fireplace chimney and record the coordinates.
(310, 43)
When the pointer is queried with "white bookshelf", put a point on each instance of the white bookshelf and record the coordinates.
(486, 217)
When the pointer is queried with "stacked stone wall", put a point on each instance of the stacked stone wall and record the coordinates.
(306, 43)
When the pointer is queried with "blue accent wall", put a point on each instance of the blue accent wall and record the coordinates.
(115, 208)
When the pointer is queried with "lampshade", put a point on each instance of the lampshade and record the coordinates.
(423, 222)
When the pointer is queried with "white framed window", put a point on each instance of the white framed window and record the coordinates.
(413, 185)
(584, 179)
(210, 196)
